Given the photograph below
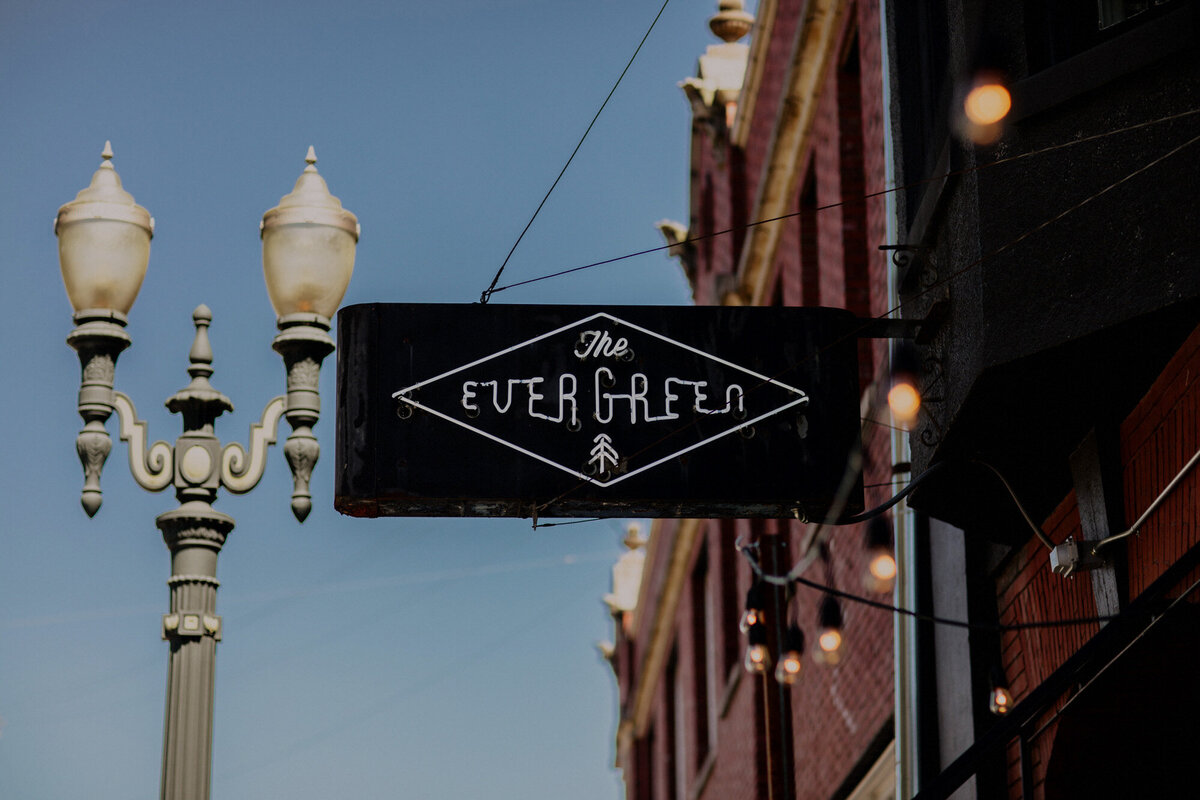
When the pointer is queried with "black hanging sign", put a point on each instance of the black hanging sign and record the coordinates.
(553, 411)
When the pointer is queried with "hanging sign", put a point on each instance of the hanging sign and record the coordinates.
(511, 410)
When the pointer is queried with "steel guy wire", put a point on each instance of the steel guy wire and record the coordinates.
(493, 289)
(488, 292)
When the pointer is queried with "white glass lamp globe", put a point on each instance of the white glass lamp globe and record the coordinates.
(103, 243)
(308, 248)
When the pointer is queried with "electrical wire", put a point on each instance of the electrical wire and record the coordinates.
(1037, 531)
(488, 292)
(1170, 487)
(883, 483)
(896, 498)
(868, 196)
(883, 424)
(937, 284)
(1038, 228)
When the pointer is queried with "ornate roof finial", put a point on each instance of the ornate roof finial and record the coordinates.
(633, 536)
(731, 22)
(311, 159)
(107, 155)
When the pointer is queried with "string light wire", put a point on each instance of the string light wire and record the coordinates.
(794, 575)
(786, 580)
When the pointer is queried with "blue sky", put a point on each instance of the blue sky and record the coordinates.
(420, 658)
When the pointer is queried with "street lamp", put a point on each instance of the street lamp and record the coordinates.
(308, 256)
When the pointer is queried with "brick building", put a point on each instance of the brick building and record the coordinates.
(788, 126)
(1060, 250)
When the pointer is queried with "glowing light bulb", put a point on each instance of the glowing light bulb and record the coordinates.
(788, 671)
(881, 564)
(1001, 701)
(883, 570)
(790, 662)
(758, 658)
(905, 401)
(753, 615)
(830, 640)
(988, 102)
(829, 637)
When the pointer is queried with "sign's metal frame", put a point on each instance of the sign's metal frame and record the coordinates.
(414, 423)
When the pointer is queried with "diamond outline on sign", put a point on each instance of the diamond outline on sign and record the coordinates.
(401, 395)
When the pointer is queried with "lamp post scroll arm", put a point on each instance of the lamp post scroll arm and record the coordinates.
(153, 468)
(241, 472)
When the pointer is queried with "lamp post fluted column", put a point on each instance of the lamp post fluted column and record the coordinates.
(194, 533)
(308, 256)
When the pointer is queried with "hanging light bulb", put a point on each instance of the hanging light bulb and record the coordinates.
(986, 99)
(788, 669)
(904, 398)
(881, 563)
(829, 633)
(753, 615)
(758, 657)
(1000, 700)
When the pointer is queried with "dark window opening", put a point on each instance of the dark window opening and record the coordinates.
(731, 606)
(701, 615)
(810, 267)
(855, 256)
(922, 78)
(673, 741)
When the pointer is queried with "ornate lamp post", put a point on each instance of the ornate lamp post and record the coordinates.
(308, 256)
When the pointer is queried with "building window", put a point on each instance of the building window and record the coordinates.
(731, 606)
(855, 254)
(810, 263)
(921, 76)
(674, 745)
(644, 758)
(701, 635)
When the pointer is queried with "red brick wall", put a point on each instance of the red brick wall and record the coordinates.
(838, 710)
(836, 713)
(1157, 439)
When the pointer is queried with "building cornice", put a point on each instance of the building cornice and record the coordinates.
(816, 43)
(764, 23)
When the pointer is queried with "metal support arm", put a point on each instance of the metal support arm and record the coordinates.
(153, 468)
(241, 472)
